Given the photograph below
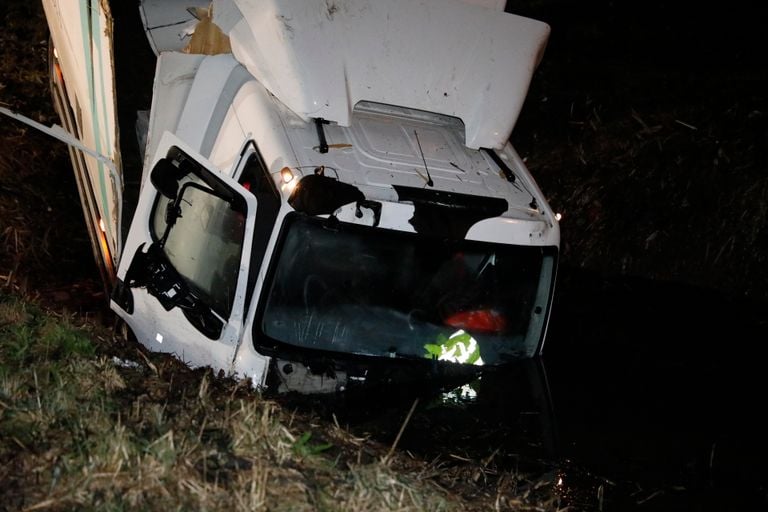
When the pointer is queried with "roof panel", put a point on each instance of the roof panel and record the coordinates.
(321, 58)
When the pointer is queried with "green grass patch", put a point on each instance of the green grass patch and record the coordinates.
(29, 336)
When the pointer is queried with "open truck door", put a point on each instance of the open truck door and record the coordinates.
(83, 88)
(182, 280)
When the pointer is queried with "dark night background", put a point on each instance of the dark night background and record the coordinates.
(646, 126)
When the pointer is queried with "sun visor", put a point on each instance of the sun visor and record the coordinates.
(321, 58)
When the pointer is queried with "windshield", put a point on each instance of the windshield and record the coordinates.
(205, 243)
(353, 289)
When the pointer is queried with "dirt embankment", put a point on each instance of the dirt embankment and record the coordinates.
(646, 126)
(44, 247)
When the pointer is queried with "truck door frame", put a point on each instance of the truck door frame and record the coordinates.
(168, 329)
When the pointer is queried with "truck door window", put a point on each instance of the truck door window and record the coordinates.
(205, 243)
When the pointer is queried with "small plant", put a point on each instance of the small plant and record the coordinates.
(303, 448)
(28, 335)
(64, 340)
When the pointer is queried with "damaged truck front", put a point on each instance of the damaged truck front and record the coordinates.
(330, 188)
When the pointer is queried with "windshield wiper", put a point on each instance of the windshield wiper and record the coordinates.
(319, 122)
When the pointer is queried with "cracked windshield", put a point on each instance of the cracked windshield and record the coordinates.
(346, 288)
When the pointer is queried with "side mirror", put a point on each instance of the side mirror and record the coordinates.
(317, 195)
(165, 178)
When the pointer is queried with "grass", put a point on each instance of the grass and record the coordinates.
(87, 423)
(657, 164)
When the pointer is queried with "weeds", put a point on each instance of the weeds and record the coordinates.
(303, 448)
(78, 431)
(29, 336)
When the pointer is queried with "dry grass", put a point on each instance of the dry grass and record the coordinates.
(81, 428)
(655, 155)
(644, 193)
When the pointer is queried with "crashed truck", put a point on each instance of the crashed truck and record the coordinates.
(328, 187)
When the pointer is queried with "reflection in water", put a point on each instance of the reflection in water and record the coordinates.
(459, 395)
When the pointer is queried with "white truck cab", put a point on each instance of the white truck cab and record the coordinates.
(329, 186)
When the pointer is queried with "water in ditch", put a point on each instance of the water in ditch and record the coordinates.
(649, 397)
